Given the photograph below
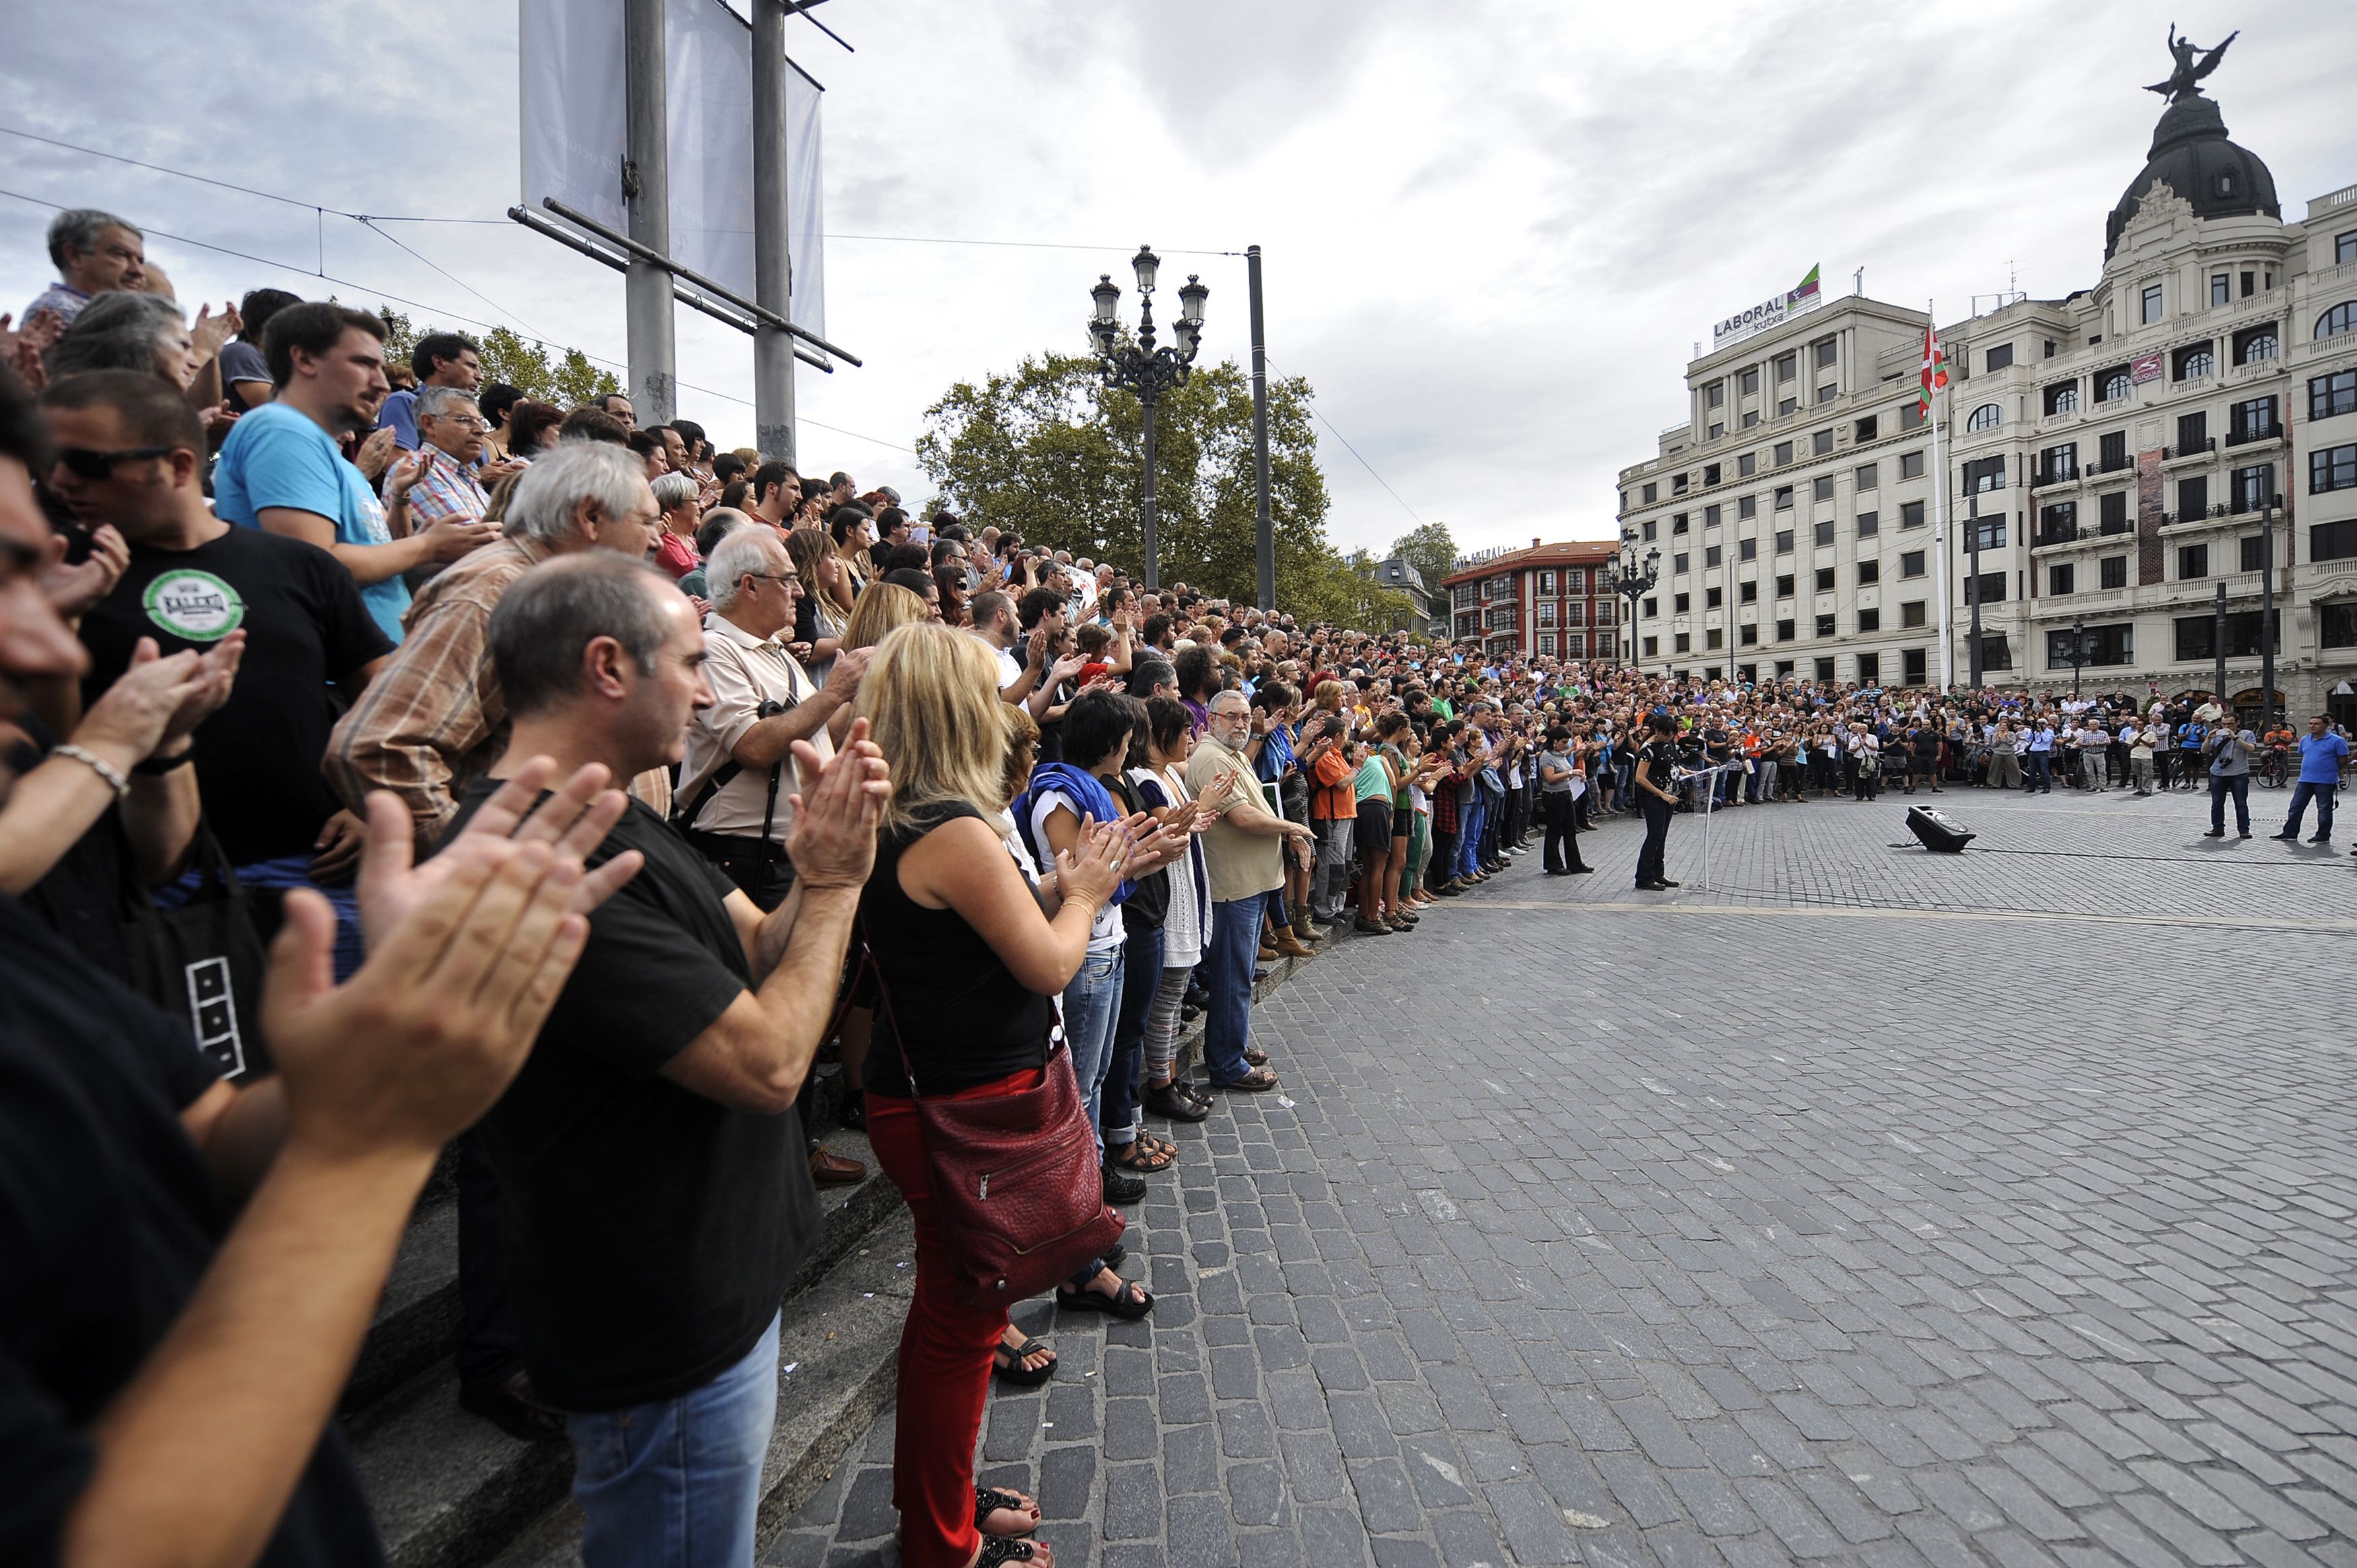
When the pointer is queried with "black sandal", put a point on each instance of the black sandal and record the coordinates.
(1132, 1302)
(998, 1549)
(1139, 1160)
(988, 1500)
(1015, 1372)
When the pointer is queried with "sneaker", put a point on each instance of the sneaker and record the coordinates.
(1122, 1187)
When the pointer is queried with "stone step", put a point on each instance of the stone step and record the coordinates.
(452, 1491)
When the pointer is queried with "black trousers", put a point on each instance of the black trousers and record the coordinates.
(489, 1339)
(1562, 832)
(1649, 859)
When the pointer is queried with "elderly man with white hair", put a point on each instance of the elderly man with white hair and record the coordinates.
(436, 482)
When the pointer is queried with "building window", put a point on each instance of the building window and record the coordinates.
(2113, 452)
(1684, 642)
(1988, 417)
(2253, 551)
(2336, 625)
(1714, 598)
(2061, 578)
(1747, 505)
(2192, 564)
(2250, 285)
(1677, 484)
(1869, 669)
(1869, 475)
(1990, 530)
(2197, 636)
(1826, 532)
(1651, 494)
(2112, 385)
(2112, 571)
(1678, 564)
(2192, 432)
(1992, 587)
(1911, 465)
(1999, 358)
(1746, 549)
(2333, 468)
(1749, 380)
(2333, 393)
(1712, 554)
(1546, 612)
(1575, 644)
(2253, 419)
(1653, 647)
(2333, 541)
(1747, 636)
(2194, 359)
(1911, 417)
(1783, 542)
(1786, 630)
(1715, 395)
(1546, 582)
(1910, 664)
(2111, 513)
(1824, 670)
(2058, 465)
(2062, 397)
(1865, 428)
(1822, 488)
(1574, 612)
(1982, 474)
(1652, 529)
(1821, 442)
(2255, 345)
(1911, 514)
(2342, 317)
(1714, 639)
(1824, 579)
(1784, 585)
(1825, 350)
(1746, 593)
(1786, 405)
(1870, 572)
(2151, 303)
(1824, 626)
(2344, 248)
(2222, 288)
(1750, 417)
(1678, 524)
(1747, 464)
(1869, 620)
(1827, 392)
(1711, 472)
(1788, 367)
(1783, 453)
(2253, 489)
(1911, 564)
(2104, 644)
(1653, 609)
(1546, 643)
(1783, 497)
(2059, 524)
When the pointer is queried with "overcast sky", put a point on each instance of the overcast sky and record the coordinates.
(1493, 232)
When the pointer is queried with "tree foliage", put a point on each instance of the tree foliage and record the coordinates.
(1430, 549)
(1048, 452)
(561, 376)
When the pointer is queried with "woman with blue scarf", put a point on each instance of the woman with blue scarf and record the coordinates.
(1049, 814)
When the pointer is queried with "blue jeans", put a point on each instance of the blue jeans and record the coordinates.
(1141, 965)
(1476, 814)
(2039, 777)
(2320, 793)
(2238, 786)
(676, 1484)
(1228, 971)
(278, 876)
(1092, 1006)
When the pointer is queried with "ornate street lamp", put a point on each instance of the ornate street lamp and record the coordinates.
(1138, 366)
(1632, 581)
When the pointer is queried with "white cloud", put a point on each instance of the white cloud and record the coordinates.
(1492, 231)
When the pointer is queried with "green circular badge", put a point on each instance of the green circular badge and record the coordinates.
(194, 605)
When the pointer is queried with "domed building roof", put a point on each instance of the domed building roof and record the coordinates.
(2192, 156)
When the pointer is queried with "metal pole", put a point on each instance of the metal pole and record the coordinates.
(1150, 542)
(2268, 613)
(1940, 526)
(2077, 651)
(646, 182)
(2218, 647)
(1972, 588)
(773, 359)
(1264, 532)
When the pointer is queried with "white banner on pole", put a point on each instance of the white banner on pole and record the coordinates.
(574, 138)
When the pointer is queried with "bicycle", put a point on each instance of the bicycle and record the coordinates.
(2275, 768)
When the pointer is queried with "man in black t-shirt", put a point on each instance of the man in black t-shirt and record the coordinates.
(651, 1169)
(1656, 787)
(194, 579)
(167, 1375)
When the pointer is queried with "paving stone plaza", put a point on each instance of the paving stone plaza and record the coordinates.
(1872, 1207)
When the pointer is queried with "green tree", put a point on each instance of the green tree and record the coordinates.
(1048, 452)
(561, 376)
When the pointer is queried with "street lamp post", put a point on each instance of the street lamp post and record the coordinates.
(2077, 651)
(1632, 581)
(2268, 612)
(1138, 366)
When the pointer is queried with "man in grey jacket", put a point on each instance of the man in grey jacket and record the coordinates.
(2229, 751)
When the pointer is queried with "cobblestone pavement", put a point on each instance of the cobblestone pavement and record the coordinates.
(1864, 1228)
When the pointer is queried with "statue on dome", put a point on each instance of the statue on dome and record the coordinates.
(2185, 81)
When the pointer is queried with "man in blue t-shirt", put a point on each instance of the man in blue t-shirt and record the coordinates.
(281, 470)
(2322, 755)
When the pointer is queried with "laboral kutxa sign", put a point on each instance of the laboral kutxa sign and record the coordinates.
(1773, 311)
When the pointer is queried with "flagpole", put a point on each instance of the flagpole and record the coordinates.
(1938, 507)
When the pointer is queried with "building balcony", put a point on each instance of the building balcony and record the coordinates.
(2192, 452)
(2113, 465)
(2047, 479)
(2256, 435)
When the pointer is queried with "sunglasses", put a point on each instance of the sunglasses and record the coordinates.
(84, 463)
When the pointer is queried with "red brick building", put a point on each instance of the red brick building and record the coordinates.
(1550, 600)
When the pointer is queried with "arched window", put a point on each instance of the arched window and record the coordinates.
(2255, 344)
(2115, 385)
(2342, 317)
(2197, 359)
(1988, 417)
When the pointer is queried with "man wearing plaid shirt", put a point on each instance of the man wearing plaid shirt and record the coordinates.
(437, 483)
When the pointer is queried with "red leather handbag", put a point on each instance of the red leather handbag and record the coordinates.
(1015, 1176)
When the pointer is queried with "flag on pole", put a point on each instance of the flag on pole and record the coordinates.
(1935, 370)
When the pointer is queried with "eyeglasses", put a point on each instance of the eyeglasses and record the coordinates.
(85, 463)
(463, 421)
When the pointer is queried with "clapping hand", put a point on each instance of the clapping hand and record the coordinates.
(73, 590)
(834, 841)
(1094, 867)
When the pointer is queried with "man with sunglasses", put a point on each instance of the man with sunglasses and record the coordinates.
(131, 453)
